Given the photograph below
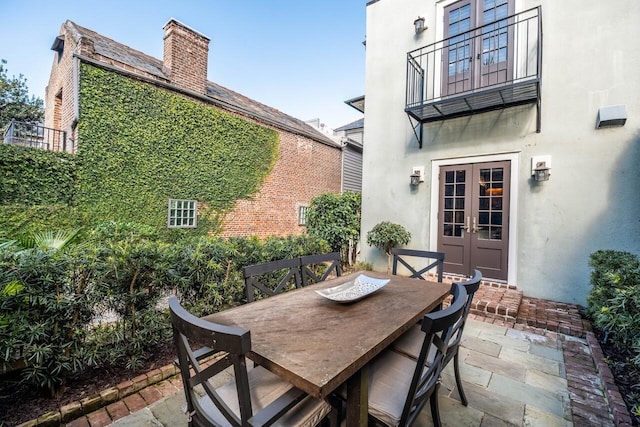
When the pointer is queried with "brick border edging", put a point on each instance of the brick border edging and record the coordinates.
(77, 409)
(617, 406)
(611, 396)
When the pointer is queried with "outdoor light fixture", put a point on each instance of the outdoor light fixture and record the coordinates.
(615, 115)
(541, 172)
(419, 25)
(417, 175)
(415, 179)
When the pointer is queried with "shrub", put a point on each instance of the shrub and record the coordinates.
(46, 303)
(614, 300)
(336, 219)
(386, 236)
(53, 302)
(614, 308)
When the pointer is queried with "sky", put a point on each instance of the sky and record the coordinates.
(303, 57)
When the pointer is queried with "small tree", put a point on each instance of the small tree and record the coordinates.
(336, 219)
(386, 236)
(14, 100)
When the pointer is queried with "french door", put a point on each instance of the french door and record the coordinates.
(473, 218)
(478, 47)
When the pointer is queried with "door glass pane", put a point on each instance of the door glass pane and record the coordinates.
(448, 203)
(454, 194)
(491, 186)
(448, 177)
(484, 203)
(459, 44)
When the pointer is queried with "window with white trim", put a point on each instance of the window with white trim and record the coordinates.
(182, 213)
(302, 215)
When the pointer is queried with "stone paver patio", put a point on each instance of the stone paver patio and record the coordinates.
(540, 367)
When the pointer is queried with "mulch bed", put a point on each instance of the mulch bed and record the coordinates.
(626, 377)
(21, 403)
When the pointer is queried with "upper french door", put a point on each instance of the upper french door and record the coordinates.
(473, 218)
(479, 51)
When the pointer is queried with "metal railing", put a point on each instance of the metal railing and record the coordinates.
(35, 135)
(505, 52)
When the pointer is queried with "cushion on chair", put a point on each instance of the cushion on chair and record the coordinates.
(389, 381)
(265, 388)
(410, 342)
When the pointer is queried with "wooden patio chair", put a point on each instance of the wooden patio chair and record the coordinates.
(400, 255)
(271, 278)
(309, 266)
(410, 342)
(399, 386)
(256, 397)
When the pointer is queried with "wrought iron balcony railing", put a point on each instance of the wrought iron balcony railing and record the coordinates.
(35, 135)
(495, 66)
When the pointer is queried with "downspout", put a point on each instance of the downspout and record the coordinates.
(76, 101)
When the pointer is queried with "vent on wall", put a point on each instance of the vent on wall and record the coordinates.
(615, 115)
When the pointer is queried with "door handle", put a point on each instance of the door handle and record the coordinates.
(475, 227)
(468, 226)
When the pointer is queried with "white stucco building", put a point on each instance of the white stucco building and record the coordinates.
(489, 91)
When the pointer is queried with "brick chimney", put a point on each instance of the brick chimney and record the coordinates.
(186, 53)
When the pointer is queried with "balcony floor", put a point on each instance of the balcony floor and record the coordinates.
(479, 101)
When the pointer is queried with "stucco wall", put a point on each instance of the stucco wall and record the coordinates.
(590, 60)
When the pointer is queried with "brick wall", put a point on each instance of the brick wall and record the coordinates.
(59, 97)
(305, 169)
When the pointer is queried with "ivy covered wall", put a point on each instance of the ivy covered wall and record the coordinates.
(35, 177)
(37, 189)
(139, 145)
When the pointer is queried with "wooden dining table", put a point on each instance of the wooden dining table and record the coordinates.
(318, 344)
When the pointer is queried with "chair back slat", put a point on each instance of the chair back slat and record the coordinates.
(438, 328)
(271, 278)
(400, 255)
(309, 266)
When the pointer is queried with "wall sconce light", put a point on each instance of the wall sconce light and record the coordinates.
(541, 172)
(540, 168)
(419, 25)
(417, 175)
(415, 179)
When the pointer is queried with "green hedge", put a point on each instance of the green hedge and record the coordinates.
(50, 300)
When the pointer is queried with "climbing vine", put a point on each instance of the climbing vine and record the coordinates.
(140, 145)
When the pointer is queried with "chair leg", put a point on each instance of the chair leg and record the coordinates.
(335, 417)
(456, 369)
(435, 412)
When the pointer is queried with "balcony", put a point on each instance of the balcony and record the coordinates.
(35, 136)
(495, 66)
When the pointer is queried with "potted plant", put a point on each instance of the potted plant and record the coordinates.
(386, 236)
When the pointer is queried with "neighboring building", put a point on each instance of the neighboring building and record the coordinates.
(476, 104)
(308, 164)
(352, 137)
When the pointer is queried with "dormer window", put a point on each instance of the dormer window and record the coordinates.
(58, 46)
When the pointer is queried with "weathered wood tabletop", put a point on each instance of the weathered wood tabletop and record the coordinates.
(318, 344)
